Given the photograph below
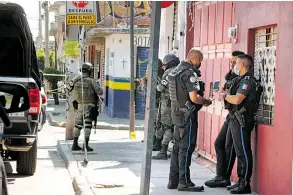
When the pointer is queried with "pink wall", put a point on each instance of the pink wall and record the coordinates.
(273, 171)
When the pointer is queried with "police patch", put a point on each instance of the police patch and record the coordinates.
(193, 79)
(244, 86)
(164, 82)
(197, 87)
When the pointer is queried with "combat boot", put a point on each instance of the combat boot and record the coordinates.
(162, 155)
(172, 185)
(218, 182)
(190, 187)
(89, 149)
(242, 188)
(233, 186)
(158, 145)
(75, 146)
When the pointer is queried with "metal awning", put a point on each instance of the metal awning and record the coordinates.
(55, 6)
(95, 33)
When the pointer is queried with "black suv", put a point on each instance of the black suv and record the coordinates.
(18, 62)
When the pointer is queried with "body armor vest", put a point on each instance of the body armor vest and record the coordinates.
(233, 86)
(229, 78)
(227, 86)
(165, 94)
(88, 91)
(178, 92)
(252, 106)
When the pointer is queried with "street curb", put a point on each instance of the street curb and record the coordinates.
(54, 123)
(108, 127)
(79, 182)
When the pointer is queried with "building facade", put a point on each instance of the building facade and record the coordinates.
(117, 73)
(113, 27)
(263, 31)
(112, 32)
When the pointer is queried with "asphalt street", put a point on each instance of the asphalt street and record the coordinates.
(51, 177)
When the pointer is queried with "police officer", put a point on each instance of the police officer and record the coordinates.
(224, 144)
(84, 104)
(184, 87)
(157, 144)
(165, 133)
(244, 95)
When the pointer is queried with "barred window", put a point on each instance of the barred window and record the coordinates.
(264, 70)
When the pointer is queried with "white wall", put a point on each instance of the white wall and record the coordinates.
(62, 9)
(167, 19)
(181, 28)
(73, 65)
(118, 46)
(166, 30)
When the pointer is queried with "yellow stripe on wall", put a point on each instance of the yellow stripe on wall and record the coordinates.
(117, 85)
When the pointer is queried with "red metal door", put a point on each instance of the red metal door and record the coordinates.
(210, 22)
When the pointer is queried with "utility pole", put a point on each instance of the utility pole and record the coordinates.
(151, 99)
(46, 9)
(55, 47)
(40, 33)
(132, 101)
(70, 114)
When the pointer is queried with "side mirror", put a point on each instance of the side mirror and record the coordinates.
(14, 97)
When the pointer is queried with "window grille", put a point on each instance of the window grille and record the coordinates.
(264, 70)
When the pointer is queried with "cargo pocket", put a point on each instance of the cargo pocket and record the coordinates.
(178, 118)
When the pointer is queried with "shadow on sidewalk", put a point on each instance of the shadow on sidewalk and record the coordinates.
(119, 162)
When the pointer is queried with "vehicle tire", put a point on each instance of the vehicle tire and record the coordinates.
(4, 178)
(44, 117)
(27, 161)
(42, 120)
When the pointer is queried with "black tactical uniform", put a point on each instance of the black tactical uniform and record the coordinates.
(183, 80)
(241, 122)
(224, 146)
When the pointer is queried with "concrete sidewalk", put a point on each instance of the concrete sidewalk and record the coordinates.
(56, 115)
(114, 167)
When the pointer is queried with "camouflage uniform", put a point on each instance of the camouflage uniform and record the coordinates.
(91, 90)
(156, 144)
(166, 130)
(165, 133)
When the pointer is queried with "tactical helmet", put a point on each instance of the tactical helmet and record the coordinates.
(170, 58)
(160, 63)
(86, 66)
(175, 52)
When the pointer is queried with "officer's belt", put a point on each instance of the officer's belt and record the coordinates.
(79, 101)
(181, 109)
(85, 105)
(238, 115)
